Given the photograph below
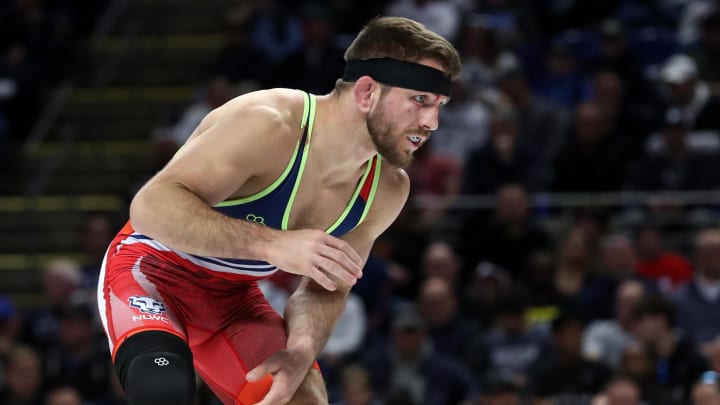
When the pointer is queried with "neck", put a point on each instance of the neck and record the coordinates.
(339, 127)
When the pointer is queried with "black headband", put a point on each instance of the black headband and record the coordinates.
(399, 73)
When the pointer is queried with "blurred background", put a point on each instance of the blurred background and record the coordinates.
(561, 245)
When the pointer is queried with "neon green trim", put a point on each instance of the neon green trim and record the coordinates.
(291, 200)
(269, 189)
(352, 200)
(306, 110)
(373, 189)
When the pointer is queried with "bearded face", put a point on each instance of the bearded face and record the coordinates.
(382, 133)
(386, 137)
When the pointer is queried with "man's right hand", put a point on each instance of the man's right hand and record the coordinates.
(315, 254)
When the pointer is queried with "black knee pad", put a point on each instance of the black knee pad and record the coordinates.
(156, 368)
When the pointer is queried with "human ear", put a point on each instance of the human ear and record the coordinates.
(363, 91)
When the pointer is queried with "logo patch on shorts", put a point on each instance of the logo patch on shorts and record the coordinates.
(161, 361)
(147, 305)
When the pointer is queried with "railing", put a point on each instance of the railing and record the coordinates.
(621, 199)
(58, 100)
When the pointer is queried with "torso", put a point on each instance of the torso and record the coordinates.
(316, 204)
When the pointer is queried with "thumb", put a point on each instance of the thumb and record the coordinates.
(259, 372)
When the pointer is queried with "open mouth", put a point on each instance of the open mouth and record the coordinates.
(415, 140)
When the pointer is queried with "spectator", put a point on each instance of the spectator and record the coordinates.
(441, 261)
(62, 279)
(676, 166)
(450, 331)
(577, 283)
(483, 289)
(656, 263)
(607, 340)
(511, 346)
(484, 56)
(501, 160)
(23, 378)
(561, 82)
(563, 374)
(699, 108)
(318, 58)
(591, 160)
(542, 125)
(463, 125)
(409, 367)
(618, 258)
(637, 365)
(275, 30)
(698, 303)
(677, 363)
(79, 358)
(231, 60)
(356, 387)
(510, 238)
(616, 56)
(631, 121)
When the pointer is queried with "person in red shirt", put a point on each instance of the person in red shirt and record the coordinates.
(669, 269)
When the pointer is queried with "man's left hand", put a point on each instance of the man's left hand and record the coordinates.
(288, 369)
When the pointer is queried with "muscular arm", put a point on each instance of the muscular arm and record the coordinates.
(175, 206)
(311, 312)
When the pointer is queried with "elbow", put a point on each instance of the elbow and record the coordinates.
(136, 213)
(140, 213)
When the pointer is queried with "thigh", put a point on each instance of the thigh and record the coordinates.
(231, 335)
(128, 302)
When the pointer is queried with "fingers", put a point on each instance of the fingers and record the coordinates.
(350, 253)
(331, 268)
(321, 278)
(261, 370)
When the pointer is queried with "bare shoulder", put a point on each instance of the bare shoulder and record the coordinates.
(392, 194)
(273, 108)
(233, 142)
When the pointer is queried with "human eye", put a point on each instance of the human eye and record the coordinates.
(420, 99)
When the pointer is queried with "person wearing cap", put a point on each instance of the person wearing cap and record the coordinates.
(675, 165)
(277, 179)
(700, 109)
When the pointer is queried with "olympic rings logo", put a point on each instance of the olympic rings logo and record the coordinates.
(255, 218)
(161, 361)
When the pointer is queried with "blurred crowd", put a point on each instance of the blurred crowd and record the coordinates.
(479, 306)
(40, 40)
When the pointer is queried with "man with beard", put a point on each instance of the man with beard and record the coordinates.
(272, 180)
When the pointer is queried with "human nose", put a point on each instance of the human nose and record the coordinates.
(429, 119)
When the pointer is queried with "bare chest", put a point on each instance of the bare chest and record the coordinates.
(318, 206)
